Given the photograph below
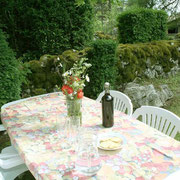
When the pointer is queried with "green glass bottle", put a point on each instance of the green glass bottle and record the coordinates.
(107, 107)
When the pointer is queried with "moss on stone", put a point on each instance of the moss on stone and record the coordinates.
(35, 66)
(132, 58)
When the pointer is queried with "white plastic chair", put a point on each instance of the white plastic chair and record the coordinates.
(121, 101)
(173, 176)
(11, 164)
(12, 173)
(159, 118)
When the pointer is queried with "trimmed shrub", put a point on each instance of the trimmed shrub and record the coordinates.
(142, 25)
(134, 59)
(102, 58)
(10, 74)
(46, 27)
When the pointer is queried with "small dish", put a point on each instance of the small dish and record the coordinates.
(110, 141)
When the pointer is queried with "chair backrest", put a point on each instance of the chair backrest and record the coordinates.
(121, 101)
(173, 176)
(159, 118)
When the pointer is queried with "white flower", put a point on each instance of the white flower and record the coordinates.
(87, 78)
(66, 74)
(88, 65)
(75, 84)
(58, 59)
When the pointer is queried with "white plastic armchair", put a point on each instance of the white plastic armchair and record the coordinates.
(12, 173)
(159, 118)
(11, 164)
(121, 101)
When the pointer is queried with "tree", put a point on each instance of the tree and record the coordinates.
(170, 6)
(106, 12)
(142, 3)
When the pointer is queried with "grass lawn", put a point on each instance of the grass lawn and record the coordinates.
(172, 105)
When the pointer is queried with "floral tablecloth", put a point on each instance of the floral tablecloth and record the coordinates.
(146, 153)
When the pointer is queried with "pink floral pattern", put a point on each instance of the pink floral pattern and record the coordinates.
(146, 153)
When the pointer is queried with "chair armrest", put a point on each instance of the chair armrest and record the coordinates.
(11, 162)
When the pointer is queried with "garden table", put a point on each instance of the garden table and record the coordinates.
(146, 153)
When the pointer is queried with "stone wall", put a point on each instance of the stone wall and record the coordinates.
(147, 95)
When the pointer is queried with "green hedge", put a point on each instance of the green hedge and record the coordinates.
(102, 58)
(10, 74)
(132, 58)
(46, 27)
(142, 25)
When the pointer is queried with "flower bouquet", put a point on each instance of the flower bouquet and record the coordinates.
(74, 82)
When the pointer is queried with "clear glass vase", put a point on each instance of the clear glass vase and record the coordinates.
(74, 109)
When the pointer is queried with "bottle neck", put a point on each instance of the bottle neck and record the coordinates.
(107, 91)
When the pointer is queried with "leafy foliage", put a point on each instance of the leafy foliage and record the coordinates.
(170, 6)
(106, 13)
(46, 27)
(142, 25)
(102, 58)
(10, 74)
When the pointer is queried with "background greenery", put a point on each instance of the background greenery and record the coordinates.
(117, 64)
(142, 25)
(102, 58)
(45, 27)
(11, 76)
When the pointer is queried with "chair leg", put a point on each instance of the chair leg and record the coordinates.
(12, 173)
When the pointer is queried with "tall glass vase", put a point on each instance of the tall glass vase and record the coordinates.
(74, 109)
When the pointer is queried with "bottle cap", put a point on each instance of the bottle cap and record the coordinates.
(106, 85)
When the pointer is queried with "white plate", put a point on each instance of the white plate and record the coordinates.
(109, 135)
